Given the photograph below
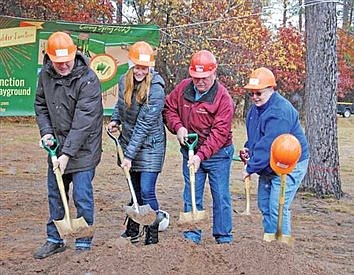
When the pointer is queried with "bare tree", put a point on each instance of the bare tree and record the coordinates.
(320, 99)
(300, 14)
(348, 6)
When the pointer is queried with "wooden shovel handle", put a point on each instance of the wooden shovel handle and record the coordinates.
(120, 156)
(281, 204)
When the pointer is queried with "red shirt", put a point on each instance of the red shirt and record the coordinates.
(210, 116)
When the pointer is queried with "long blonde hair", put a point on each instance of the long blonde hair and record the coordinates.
(143, 88)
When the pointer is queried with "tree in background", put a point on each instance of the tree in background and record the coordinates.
(288, 64)
(89, 11)
(320, 99)
(345, 65)
(229, 29)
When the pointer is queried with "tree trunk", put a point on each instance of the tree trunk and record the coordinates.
(320, 100)
(300, 15)
(285, 8)
(345, 14)
(119, 12)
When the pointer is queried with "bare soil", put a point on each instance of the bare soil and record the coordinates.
(323, 228)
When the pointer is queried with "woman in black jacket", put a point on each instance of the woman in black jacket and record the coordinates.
(139, 113)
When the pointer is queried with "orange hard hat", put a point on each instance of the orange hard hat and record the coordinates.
(284, 153)
(60, 47)
(261, 78)
(141, 53)
(203, 64)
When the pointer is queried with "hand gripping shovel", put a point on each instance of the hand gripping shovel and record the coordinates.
(195, 215)
(77, 228)
(144, 214)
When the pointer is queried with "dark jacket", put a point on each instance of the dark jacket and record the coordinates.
(264, 124)
(70, 108)
(210, 116)
(143, 136)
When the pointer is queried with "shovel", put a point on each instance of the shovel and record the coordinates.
(195, 215)
(247, 186)
(77, 228)
(143, 214)
(279, 234)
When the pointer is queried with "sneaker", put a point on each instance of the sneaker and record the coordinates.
(49, 249)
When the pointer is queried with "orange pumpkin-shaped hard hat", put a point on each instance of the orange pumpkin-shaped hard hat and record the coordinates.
(285, 153)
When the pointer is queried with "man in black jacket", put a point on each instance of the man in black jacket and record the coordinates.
(68, 107)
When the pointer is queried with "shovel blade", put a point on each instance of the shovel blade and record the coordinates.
(76, 228)
(192, 217)
(144, 215)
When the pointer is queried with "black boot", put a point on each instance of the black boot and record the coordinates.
(132, 231)
(152, 230)
(151, 234)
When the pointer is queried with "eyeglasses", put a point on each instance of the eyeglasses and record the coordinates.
(258, 93)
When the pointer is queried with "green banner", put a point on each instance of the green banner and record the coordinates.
(22, 47)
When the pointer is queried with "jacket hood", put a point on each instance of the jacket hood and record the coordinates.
(157, 79)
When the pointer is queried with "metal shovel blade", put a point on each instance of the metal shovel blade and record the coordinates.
(144, 215)
(75, 228)
(192, 217)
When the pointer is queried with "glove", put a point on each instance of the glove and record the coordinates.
(195, 161)
(61, 162)
(47, 140)
(244, 155)
(181, 135)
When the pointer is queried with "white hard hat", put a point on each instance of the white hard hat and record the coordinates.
(165, 220)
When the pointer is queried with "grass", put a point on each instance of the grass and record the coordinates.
(345, 142)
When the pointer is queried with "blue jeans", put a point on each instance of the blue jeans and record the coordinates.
(268, 198)
(144, 184)
(83, 200)
(217, 168)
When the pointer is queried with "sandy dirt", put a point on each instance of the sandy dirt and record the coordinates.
(323, 229)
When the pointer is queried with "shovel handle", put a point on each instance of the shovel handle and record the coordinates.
(281, 205)
(52, 150)
(120, 156)
(191, 141)
(115, 138)
(194, 140)
(248, 195)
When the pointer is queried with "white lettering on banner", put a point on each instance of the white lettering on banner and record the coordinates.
(12, 82)
(15, 92)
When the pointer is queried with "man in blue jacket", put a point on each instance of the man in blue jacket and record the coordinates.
(270, 116)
